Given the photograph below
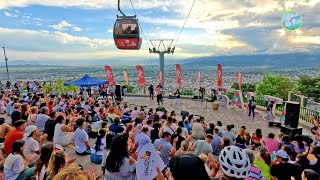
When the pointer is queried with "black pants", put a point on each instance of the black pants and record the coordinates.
(89, 92)
(251, 109)
(104, 94)
(151, 95)
(159, 99)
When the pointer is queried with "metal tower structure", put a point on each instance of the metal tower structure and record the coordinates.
(159, 47)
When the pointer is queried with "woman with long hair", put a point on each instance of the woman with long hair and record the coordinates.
(33, 115)
(178, 100)
(241, 139)
(74, 172)
(97, 149)
(299, 146)
(42, 163)
(25, 111)
(256, 138)
(57, 162)
(263, 162)
(169, 126)
(63, 134)
(107, 148)
(118, 163)
(252, 106)
(16, 164)
(314, 158)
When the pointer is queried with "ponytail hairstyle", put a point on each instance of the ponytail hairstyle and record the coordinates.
(101, 135)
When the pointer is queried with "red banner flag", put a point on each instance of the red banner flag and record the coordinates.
(109, 74)
(219, 76)
(140, 76)
(178, 69)
(239, 80)
(160, 77)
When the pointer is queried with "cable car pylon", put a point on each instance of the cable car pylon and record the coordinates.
(161, 49)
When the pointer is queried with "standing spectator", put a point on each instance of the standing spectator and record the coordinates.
(159, 94)
(16, 114)
(270, 143)
(14, 134)
(150, 89)
(228, 134)
(252, 106)
(42, 118)
(216, 142)
(16, 164)
(81, 138)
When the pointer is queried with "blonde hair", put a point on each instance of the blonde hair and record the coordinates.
(71, 172)
(184, 145)
(204, 158)
(57, 162)
(34, 109)
(241, 132)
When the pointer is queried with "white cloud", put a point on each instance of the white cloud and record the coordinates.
(165, 9)
(9, 14)
(61, 26)
(77, 29)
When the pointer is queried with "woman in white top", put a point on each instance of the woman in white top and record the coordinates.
(42, 163)
(63, 134)
(33, 116)
(97, 149)
(16, 165)
(2, 105)
(169, 126)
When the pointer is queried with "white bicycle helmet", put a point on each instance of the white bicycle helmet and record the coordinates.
(234, 162)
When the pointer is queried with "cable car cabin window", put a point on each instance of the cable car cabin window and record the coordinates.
(126, 27)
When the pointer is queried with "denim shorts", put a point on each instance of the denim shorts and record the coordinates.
(97, 159)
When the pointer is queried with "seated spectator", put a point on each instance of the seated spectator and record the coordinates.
(42, 118)
(16, 164)
(57, 162)
(163, 145)
(42, 163)
(116, 127)
(97, 148)
(25, 111)
(314, 158)
(134, 113)
(81, 138)
(142, 138)
(309, 174)
(263, 162)
(299, 146)
(197, 130)
(169, 126)
(75, 172)
(59, 107)
(16, 114)
(32, 146)
(241, 139)
(219, 126)
(270, 143)
(119, 165)
(63, 134)
(33, 116)
(283, 169)
(203, 146)
(256, 138)
(225, 142)
(112, 113)
(187, 126)
(255, 172)
(180, 138)
(5, 128)
(126, 117)
(14, 134)
(210, 129)
(286, 142)
(216, 142)
(184, 132)
(228, 134)
(154, 134)
(50, 125)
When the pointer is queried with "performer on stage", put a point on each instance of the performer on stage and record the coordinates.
(202, 92)
(159, 94)
(252, 105)
(178, 100)
(150, 89)
(213, 95)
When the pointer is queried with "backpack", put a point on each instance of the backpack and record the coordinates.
(253, 104)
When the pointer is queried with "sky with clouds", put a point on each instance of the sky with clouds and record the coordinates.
(81, 30)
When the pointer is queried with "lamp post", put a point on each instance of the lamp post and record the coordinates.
(6, 59)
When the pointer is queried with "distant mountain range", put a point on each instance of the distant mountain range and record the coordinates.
(268, 61)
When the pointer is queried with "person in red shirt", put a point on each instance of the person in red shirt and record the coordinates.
(14, 134)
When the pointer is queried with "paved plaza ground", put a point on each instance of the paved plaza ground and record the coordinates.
(225, 115)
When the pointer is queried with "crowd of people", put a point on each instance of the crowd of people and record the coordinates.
(112, 134)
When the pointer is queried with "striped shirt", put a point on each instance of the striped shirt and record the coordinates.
(255, 174)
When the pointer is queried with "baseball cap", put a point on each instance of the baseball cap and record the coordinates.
(281, 153)
(29, 130)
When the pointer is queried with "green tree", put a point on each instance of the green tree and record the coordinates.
(245, 87)
(59, 87)
(278, 86)
(309, 87)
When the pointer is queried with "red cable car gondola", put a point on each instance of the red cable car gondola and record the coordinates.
(126, 32)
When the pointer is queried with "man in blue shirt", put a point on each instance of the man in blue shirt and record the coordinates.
(116, 127)
(42, 118)
(216, 142)
(163, 145)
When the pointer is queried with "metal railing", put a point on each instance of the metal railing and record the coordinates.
(305, 115)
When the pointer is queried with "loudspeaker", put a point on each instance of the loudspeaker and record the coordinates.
(161, 108)
(291, 132)
(274, 124)
(186, 113)
(292, 114)
(196, 97)
(118, 90)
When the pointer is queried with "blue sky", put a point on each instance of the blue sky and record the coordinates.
(80, 30)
